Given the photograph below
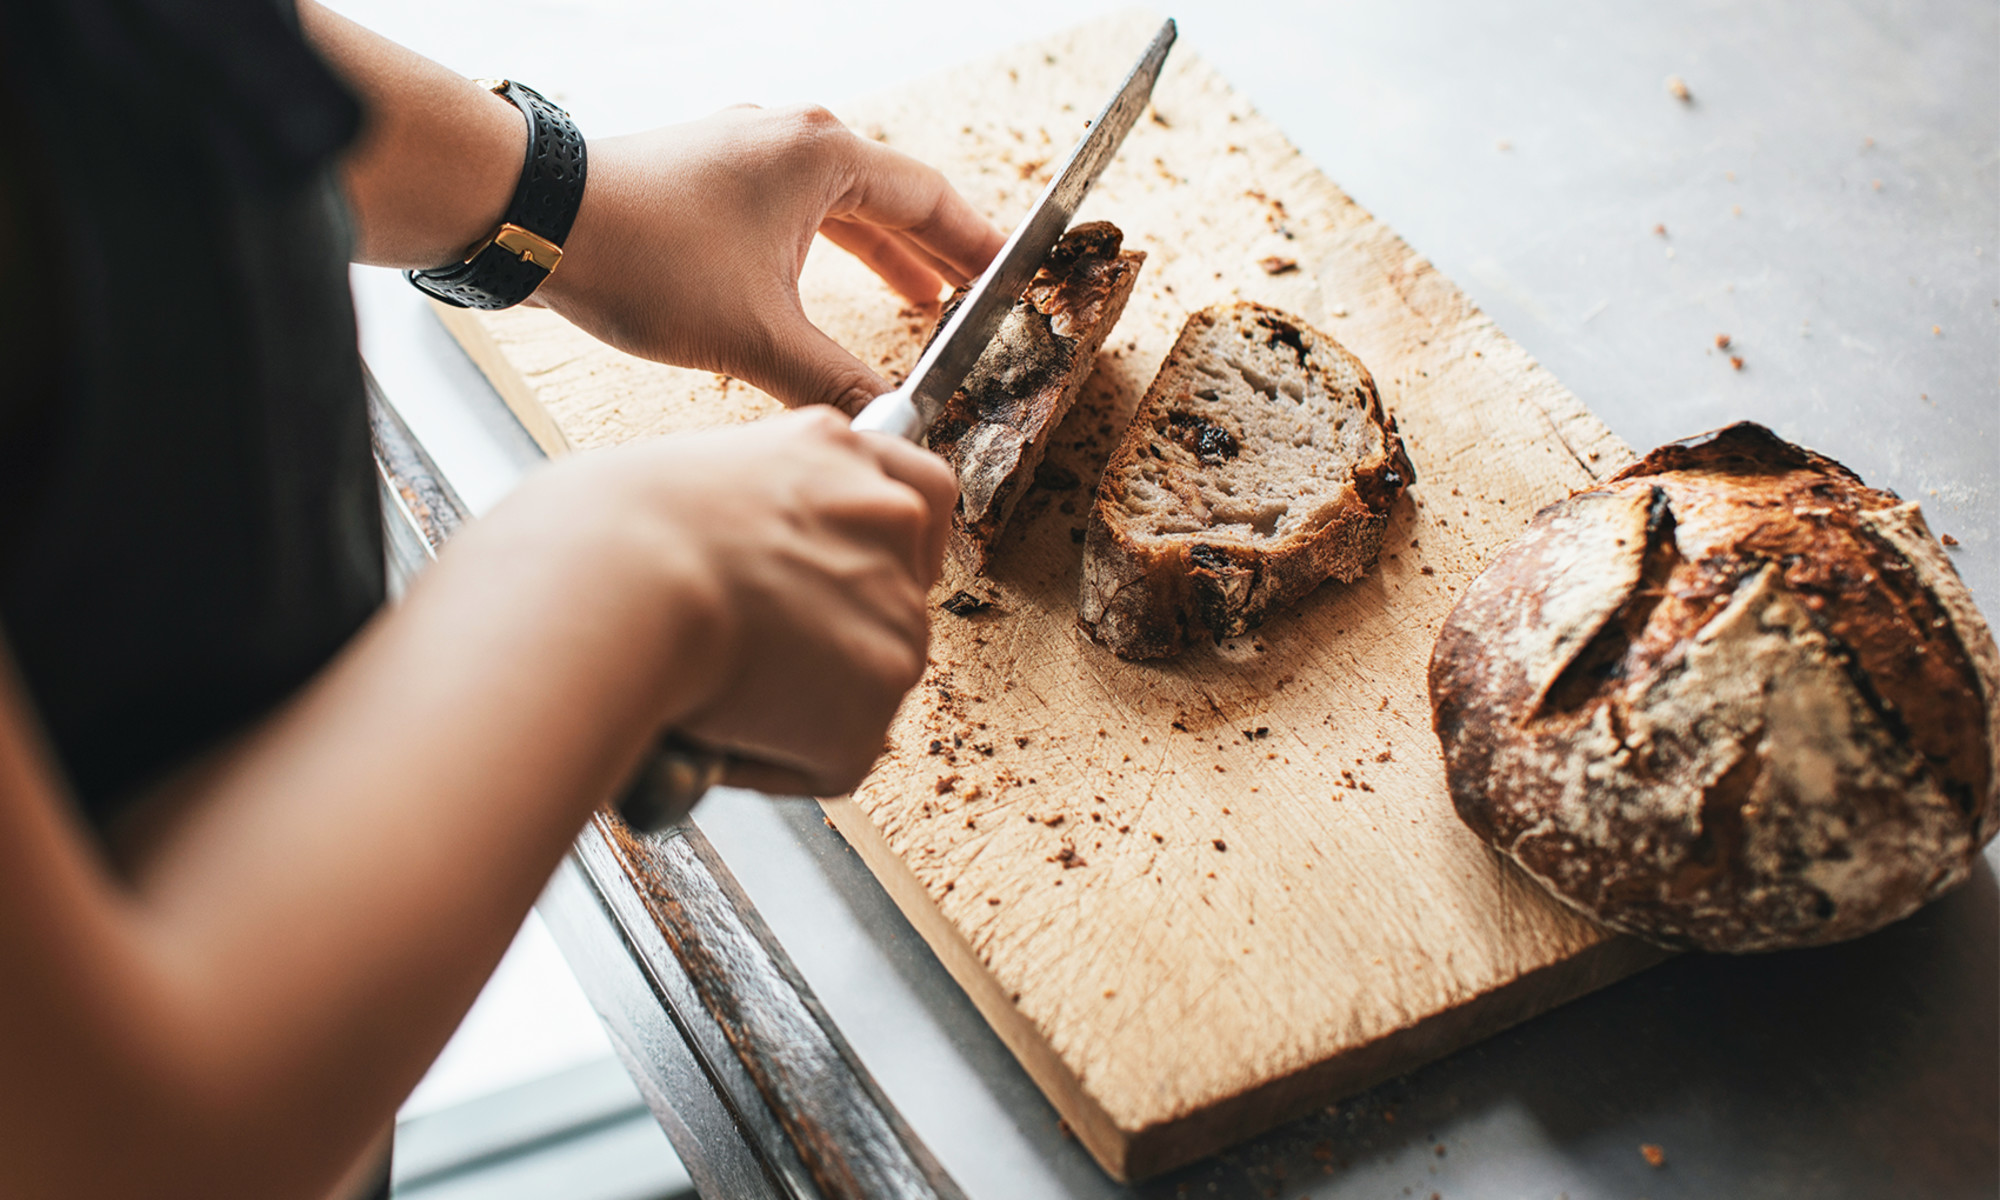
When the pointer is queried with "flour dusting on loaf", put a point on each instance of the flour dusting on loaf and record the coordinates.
(1731, 699)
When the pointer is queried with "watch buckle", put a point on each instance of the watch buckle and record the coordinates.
(526, 245)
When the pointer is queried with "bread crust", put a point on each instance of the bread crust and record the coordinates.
(1146, 595)
(1731, 699)
(996, 427)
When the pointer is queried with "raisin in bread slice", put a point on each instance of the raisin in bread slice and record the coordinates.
(1259, 464)
(997, 425)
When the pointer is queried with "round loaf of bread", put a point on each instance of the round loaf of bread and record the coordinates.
(1731, 699)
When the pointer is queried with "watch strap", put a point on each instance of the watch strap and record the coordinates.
(512, 262)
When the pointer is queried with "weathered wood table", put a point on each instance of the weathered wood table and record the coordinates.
(1531, 158)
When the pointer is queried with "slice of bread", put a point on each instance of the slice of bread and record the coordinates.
(997, 426)
(1259, 464)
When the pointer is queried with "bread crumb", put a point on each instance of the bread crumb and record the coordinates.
(1722, 341)
(1655, 1156)
(1678, 89)
(1736, 362)
(993, 900)
(1220, 844)
(1278, 264)
(965, 604)
(1659, 230)
(1937, 331)
(1949, 540)
(946, 783)
(1503, 145)
(1876, 184)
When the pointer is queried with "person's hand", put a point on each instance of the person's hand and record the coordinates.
(759, 588)
(689, 243)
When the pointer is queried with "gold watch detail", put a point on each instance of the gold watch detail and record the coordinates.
(524, 244)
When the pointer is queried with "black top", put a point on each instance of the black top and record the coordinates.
(188, 517)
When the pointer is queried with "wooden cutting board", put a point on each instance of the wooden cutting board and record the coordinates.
(1195, 897)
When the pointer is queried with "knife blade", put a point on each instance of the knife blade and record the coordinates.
(908, 411)
(680, 770)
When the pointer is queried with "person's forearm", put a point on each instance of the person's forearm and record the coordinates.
(438, 158)
(291, 952)
(299, 926)
(433, 779)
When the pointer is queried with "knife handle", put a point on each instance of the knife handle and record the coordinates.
(679, 772)
(893, 413)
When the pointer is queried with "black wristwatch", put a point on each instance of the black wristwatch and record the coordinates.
(511, 263)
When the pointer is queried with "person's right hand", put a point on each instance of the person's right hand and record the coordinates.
(764, 585)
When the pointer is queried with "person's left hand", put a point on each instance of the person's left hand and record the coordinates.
(689, 243)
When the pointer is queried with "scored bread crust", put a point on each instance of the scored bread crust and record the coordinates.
(1146, 591)
(996, 427)
(1731, 699)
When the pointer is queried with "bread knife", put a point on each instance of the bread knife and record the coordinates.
(681, 770)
